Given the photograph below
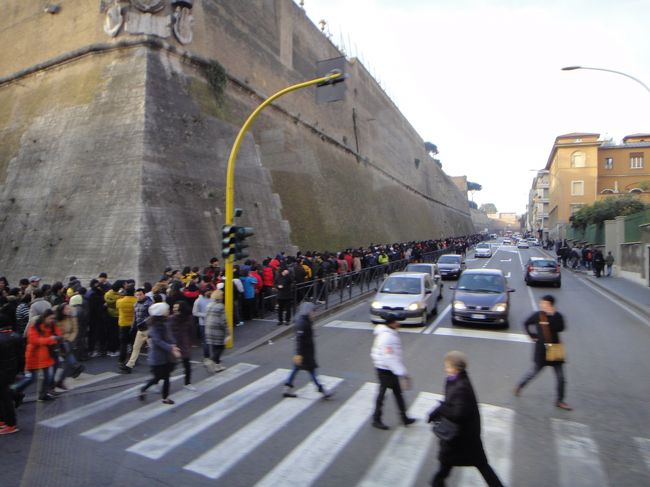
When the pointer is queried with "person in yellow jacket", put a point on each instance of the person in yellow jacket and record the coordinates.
(110, 301)
(125, 315)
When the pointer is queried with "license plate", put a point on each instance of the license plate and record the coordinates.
(478, 317)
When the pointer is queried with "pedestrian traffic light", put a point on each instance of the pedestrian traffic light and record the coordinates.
(233, 242)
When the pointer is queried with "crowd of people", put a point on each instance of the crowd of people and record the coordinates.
(49, 330)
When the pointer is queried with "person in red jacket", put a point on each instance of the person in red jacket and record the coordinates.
(39, 355)
(268, 281)
(256, 272)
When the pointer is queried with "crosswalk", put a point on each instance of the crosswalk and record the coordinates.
(404, 454)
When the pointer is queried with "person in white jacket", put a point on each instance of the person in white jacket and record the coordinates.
(387, 357)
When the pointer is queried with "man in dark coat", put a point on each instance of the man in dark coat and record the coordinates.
(305, 357)
(546, 326)
(461, 408)
(11, 348)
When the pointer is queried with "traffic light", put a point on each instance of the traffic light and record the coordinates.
(233, 242)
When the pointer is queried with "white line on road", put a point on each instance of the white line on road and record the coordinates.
(577, 455)
(87, 379)
(364, 325)
(158, 445)
(506, 260)
(218, 460)
(401, 459)
(314, 455)
(642, 319)
(429, 329)
(508, 275)
(490, 335)
(123, 423)
(644, 449)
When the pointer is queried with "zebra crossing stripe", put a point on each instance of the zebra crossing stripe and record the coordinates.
(93, 407)
(168, 439)
(644, 448)
(311, 458)
(401, 459)
(87, 379)
(497, 425)
(217, 461)
(123, 423)
(577, 455)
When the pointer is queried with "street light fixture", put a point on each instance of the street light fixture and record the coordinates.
(573, 68)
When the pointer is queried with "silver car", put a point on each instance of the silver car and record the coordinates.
(483, 250)
(432, 270)
(410, 294)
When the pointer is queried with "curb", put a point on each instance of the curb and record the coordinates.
(287, 330)
(643, 310)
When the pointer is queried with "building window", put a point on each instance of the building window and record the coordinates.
(577, 188)
(576, 207)
(578, 159)
(636, 160)
(609, 162)
(607, 191)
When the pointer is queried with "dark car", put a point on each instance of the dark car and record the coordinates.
(540, 270)
(450, 266)
(481, 297)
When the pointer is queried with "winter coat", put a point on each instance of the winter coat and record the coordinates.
(260, 283)
(69, 328)
(37, 354)
(305, 337)
(249, 283)
(11, 346)
(216, 329)
(110, 298)
(460, 406)
(126, 310)
(534, 329)
(160, 341)
(386, 350)
(22, 317)
(141, 312)
(199, 308)
(268, 276)
(181, 327)
(284, 285)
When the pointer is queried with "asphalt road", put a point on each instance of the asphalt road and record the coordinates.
(239, 431)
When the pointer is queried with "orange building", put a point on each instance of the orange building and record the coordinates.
(623, 168)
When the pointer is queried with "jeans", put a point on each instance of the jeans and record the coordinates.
(609, 270)
(188, 371)
(312, 373)
(67, 360)
(140, 338)
(32, 375)
(284, 310)
(388, 380)
(559, 374)
(206, 347)
(486, 471)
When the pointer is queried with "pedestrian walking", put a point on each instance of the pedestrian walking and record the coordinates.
(181, 323)
(598, 263)
(126, 315)
(162, 352)
(305, 356)
(11, 346)
(284, 285)
(199, 311)
(544, 328)
(216, 331)
(609, 261)
(460, 408)
(387, 358)
(67, 323)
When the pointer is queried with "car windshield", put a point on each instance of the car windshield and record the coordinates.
(547, 264)
(482, 246)
(418, 268)
(485, 283)
(449, 259)
(401, 285)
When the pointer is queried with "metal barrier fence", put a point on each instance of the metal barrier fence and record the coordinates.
(336, 289)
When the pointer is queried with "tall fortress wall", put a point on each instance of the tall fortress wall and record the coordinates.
(117, 119)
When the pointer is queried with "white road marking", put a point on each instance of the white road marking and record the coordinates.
(644, 449)
(508, 275)
(506, 260)
(489, 335)
(123, 423)
(314, 455)
(533, 302)
(218, 460)
(87, 379)
(402, 457)
(429, 329)
(642, 319)
(158, 445)
(93, 407)
(577, 455)
(497, 424)
(363, 325)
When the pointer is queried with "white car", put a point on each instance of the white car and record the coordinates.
(506, 241)
(413, 295)
(483, 250)
(523, 244)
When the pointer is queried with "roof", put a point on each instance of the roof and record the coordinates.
(576, 134)
(489, 272)
(408, 274)
(636, 136)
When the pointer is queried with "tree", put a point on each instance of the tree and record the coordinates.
(431, 148)
(488, 208)
(606, 209)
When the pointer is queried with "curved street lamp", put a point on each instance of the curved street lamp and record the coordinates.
(573, 68)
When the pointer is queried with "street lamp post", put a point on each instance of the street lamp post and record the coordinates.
(573, 68)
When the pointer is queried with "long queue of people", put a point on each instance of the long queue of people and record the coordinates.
(47, 331)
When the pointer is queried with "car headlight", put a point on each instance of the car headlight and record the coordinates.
(413, 307)
(500, 307)
(459, 305)
(375, 305)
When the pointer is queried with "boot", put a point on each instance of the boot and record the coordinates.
(77, 371)
(326, 394)
(288, 391)
(210, 365)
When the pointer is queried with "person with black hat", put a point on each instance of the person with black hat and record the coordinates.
(387, 357)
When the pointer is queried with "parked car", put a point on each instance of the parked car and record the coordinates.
(523, 244)
(543, 270)
(481, 296)
(533, 241)
(411, 294)
(506, 241)
(428, 268)
(451, 265)
(483, 250)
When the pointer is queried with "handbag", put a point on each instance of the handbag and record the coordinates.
(555, 352)
(445, 429)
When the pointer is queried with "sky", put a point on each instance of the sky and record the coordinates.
(482, 79)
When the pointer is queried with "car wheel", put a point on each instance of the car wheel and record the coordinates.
(425, 318)
(434, 311)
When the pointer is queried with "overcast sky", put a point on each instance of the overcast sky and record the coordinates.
(482, 79)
